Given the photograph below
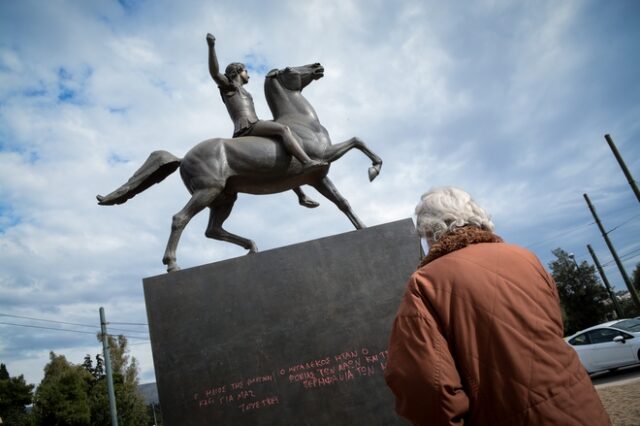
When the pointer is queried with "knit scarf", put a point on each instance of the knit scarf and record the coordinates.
(457, 239)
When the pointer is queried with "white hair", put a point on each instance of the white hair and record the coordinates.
(444, 209)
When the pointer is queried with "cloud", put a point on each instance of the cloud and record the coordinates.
(509, 101)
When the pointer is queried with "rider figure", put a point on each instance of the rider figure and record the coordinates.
(239, 103)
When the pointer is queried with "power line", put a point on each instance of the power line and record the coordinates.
(617, 211)
(47, 328)
(95, 333)
(46, 320)
(557, 236)
(625, 256)
(622, 224)
(631, 252)
(608, 267)
(128, 323)
(628, 257)
(127, 330)
(67, 323)
(146, 342)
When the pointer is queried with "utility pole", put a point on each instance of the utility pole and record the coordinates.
(612, 295)
(153, 408)
(625, 277)
(623, 166)
(107, 362)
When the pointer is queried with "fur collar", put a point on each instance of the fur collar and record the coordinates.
(457, 239)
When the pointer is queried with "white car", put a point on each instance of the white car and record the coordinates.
(609, 345)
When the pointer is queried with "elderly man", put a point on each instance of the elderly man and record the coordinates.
(478, 338)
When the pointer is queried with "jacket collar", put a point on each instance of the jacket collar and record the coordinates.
(457, 239)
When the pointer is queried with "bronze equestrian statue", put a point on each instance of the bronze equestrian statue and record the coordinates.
(216, 170)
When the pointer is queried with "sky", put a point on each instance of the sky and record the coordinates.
(507, 100)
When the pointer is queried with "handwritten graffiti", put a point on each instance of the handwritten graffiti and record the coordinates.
(262, 391)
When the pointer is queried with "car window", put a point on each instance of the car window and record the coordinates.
(632, 325)
(603, 335)
(581, 339)
(625, 335)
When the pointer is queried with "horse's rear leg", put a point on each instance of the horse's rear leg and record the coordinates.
(199, 200)
(326, 188)
(219, 212)
(336, 151)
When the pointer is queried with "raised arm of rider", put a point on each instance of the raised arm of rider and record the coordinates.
(214, 69)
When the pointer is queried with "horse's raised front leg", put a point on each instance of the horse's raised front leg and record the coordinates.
(199, 200)
(219, 212)
(333, 152)
(304, 200)
(326, 188)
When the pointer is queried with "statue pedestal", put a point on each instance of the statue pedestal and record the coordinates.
(290, 336)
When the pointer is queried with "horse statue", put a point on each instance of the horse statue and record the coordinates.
(216, 170)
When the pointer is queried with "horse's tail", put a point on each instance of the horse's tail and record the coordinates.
(158, 166)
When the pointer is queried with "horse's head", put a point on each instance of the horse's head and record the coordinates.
(297, 78)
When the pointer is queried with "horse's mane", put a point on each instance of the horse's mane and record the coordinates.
(272, 73)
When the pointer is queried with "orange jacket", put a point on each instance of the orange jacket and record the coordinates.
(478, 341)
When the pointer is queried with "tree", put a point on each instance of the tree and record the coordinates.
(627, 305)
(131, 408)
(582, 296)
(626, 302)
(61, 399)
(76, 395)
(98, 371)
(15, 394)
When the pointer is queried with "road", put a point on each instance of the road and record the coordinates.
(618, 377)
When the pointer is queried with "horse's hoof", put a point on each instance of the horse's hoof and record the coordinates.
(373, 172)
(309, 203)
(173, 268)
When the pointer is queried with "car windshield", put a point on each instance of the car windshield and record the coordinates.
(632, 325)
